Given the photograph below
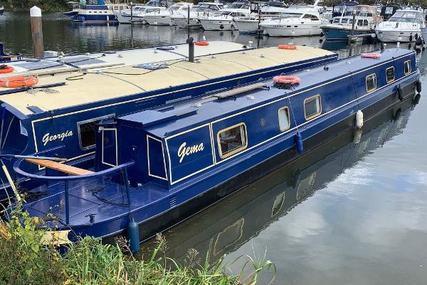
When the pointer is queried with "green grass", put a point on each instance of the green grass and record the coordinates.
(26, 260)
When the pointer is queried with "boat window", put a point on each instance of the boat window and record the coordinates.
(407, 66)
(371, 82)
(360, 22)
(344, 21)
(365, 22)
(87, 132)
(312, 107)
(389, 72)
(232, 140)
(284, 119)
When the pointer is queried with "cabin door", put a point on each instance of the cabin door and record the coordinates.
(109, 147)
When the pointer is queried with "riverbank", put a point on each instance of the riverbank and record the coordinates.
(28, 258)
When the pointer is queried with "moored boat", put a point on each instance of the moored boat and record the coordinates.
(300, 22)
(365, 20)
(98, 13)
(155, 161)
(404, 26)
(123, 82)
(1, 10)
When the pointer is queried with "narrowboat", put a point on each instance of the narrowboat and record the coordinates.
(238, 218)
(152, 163)
(58, 116)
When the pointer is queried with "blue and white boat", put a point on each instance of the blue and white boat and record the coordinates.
(58, 116)
(153, 164)
(365, 21)
(97, 13)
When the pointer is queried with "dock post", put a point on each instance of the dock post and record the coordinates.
(131, 13)
(190, 49)
(37, 31)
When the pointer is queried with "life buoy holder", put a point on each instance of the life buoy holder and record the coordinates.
(373, 55)
(202, 43)
(286, 79)
(19, 81)
(6, 69)
(287, 46)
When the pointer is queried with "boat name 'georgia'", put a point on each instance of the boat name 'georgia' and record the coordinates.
(184, 150)
(61, 136)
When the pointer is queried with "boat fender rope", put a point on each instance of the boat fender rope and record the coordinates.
(287, 46)
(418, 86)
(6, 69)
(19, 81)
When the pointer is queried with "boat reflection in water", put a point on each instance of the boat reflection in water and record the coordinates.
(235, 220)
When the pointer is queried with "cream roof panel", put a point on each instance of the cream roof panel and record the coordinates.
(120, 81)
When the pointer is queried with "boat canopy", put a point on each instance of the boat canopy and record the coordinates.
(408, 16)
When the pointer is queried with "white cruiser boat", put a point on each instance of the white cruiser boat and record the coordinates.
(201, 10)
(222, 21)
(404, 26)
(136, 16)
(296, 24)
(162, 17)
(366, 19)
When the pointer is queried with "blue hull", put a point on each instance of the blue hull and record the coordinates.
(169, 183)
(68, 119)
(335, 34)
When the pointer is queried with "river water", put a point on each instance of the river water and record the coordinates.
(352, 212)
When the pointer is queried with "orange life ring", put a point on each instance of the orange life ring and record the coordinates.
(291, 47)
(6, 69)
(370, 55)
(19, 81)
(286, 79)
(202, 43)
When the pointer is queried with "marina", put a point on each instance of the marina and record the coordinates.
(264, 131)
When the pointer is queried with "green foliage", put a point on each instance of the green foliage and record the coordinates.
(23, 259)
(26, 260)
(45, 5)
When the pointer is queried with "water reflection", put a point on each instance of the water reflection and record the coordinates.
(228, 225)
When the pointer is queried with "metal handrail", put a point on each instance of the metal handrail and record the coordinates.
(17, 164)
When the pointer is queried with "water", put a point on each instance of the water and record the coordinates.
(349, 213)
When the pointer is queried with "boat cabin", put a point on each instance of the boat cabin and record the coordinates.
(228, 132)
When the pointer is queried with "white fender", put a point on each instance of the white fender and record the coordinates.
(359, 119)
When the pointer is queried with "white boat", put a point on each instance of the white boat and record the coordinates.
(1, 10)
(162, 17)
(136, 16)
(180, 18)
(239, 7)
(305, 22)
(222, 21)
(404, 26)
(250, 24)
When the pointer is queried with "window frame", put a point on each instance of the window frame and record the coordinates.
(307, 118)
(79, 135)
(394, 74)
(409, 67)
(366, 82)
(234, 151)
(289, 118)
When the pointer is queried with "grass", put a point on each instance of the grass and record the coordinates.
(26, 259)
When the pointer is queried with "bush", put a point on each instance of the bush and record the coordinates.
(25, 259)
